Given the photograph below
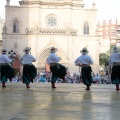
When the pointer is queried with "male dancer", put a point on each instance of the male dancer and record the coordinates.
(85, 61)
(29, 70)
(114, 62)
(5, 67)
(57, 69)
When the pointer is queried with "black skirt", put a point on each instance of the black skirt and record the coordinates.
(115, 75)
(59, 70)
(29, 73)
(7, 72)
(86, 75)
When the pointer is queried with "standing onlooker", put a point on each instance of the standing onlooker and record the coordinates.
(29, 70)
(57, 69)
(85, 61)
(6, 70)
(114, 62)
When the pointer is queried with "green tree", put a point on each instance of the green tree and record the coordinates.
(103, 59)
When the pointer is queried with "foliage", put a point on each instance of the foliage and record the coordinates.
(103, 59)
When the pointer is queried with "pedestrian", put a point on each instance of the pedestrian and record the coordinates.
(84, 61)
(29, 70)
(7, 72)
(114, 62)
(57, 69)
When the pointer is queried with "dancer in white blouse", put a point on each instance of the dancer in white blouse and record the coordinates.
(29, 70)
(85, 61)
(5, 68)
(114, 62)
(57, 69)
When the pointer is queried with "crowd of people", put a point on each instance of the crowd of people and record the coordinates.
(69, 78)
(74, 78)
(57, 73)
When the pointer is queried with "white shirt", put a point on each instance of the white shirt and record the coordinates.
(4, 59)
(53, 58)
(84, 59)
(114, 58)
(97, 77)
(27, 59)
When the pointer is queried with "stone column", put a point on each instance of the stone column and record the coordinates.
(94, 5)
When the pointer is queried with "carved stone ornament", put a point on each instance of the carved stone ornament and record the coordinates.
(63, 31)
(77, 3)
(15, 45)
(4, 30)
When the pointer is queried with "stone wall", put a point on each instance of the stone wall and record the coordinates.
(42, 27)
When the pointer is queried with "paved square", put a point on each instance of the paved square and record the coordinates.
(66, 102)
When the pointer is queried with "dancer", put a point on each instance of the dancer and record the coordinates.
(29, 70)
(84, 61)
(57, 69)
(114, 62)
(7, 72)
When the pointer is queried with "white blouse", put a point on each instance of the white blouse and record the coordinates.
(4, 59)
(83, 59)
(27, 59)
(53, 58)
(114, 58)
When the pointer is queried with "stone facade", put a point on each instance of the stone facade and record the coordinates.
(104, 45)
(1, 27)
(41, 24)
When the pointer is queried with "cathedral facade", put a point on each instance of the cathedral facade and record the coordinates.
(42, 24)
(1, 26)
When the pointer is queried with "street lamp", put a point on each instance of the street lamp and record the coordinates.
(12, 54)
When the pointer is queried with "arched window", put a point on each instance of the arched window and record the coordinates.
(16, 26)
(86, 29)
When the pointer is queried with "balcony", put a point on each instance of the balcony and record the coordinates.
(118, 37)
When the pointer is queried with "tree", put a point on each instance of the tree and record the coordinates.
(103, 59)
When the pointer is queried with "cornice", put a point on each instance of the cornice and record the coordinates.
(51, 3)
(56, 31)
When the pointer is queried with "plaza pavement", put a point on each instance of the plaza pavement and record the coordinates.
(66, 102)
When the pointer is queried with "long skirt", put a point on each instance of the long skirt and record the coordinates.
(57, 70)
(7, 72)
(29, 73)
(115, 75)
(86, 75)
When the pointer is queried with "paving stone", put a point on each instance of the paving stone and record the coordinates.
(66, 102)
